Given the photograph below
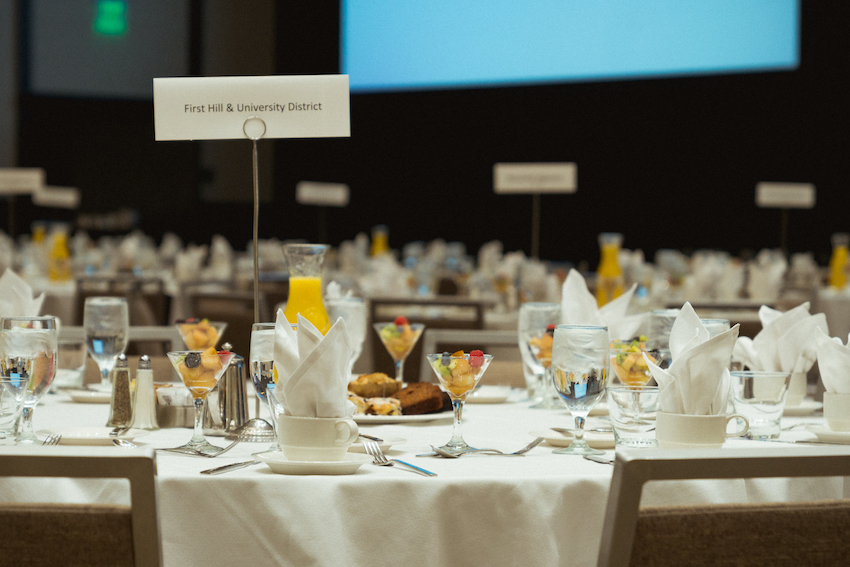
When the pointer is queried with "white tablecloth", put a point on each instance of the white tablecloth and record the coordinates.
(540, 509)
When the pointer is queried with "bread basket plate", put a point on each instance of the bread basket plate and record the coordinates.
(382, 419)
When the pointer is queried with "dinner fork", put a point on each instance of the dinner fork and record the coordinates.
(52, 439)
(374, 450)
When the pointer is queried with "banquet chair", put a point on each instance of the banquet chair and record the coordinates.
(795, 533)
(39, 534)
(147, 300)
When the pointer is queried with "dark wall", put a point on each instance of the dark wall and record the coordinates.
(668, 162)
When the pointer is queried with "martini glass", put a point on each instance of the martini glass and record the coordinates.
(399, 338)
(580, 371)
(200, 372)
(201, 335)
(28, 348)
(459, 375)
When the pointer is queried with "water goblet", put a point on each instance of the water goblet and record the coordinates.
(535, 345)
(107, 323)
(459, 375)
(28, 348)
(200, 372)
(399, 338)
(580, 371)
(353, 311)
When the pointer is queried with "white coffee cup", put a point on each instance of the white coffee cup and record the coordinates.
(836, 410)
(679, 431)
(316, 438)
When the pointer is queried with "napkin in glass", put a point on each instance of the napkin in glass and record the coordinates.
(312, 369)
(16, 298)
(787, 342)
(698, 380)
(578, 307)
(834, 364)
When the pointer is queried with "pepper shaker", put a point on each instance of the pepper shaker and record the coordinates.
(121, 406)
(144, 414)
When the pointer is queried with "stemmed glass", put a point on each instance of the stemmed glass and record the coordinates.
(107, 324)
(536, 326)
(459, 375)
(399, 338)
(353, 311)
(28, 348)
(200, 335)
(580, 372)
(263, 374)
(200, 372)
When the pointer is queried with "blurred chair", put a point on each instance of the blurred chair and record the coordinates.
(40, 534)
(435, 313)
(751, 534)
(146, 298)
(506, 368)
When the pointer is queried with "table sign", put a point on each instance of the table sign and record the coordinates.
(227, 108)
(778, 195)
(535, 179)
(59, 197)
(20, 180)
(215, 108)
(322, 194)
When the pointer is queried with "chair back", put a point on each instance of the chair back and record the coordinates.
(73, 534)
(146, 298)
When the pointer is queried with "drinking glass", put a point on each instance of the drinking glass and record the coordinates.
(12, 392)
(353, 311)
(28, 348)
(760, 397)
(632, 410)
(459, 375)
(536, 325)
(200, 373)
(107, 323)
(399, 338)
(261, 360)
(580, 372)
(305, 263)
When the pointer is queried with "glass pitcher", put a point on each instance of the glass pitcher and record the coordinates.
(305, 262)
(609, 276)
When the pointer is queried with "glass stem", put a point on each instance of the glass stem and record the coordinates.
(457, 436)
(104, 378)
(198, 433)
(579, 431)
(26, 423)
(399, 370)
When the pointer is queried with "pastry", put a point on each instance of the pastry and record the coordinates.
(419, 398)
(360, 404)
(383, 406)
(376, 385)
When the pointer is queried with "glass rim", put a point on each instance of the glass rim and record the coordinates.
(585, 327)
(106, 299)
(754, 373)
(624, 387)
(24, 318)
(465, 356)
(713, 320)
(305, 246)
(376, 323)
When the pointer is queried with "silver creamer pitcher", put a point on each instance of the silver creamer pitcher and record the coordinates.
(227, 403)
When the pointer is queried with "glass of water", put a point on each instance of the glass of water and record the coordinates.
(580, 373)
(535, 332)
(28, 348)
(353, 311)
(107, 324)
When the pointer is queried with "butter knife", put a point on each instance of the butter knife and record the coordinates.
(230, 467)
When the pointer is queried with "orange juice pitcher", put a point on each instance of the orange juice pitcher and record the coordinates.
(305, 262)
(609, 276)
(838, 260)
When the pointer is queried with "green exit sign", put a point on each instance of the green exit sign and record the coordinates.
(111, 17)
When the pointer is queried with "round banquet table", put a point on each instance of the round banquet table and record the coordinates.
(538, 509)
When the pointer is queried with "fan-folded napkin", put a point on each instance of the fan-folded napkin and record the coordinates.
(578, 307)
(313, 372)
(697, 381)
(16, 298)
(834, 364)
(787, 342)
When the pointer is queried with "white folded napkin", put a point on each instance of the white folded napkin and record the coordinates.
(834, 364)
(579, 307)
(697, 381)
(787, 342)
(313, 372)
(16, 298)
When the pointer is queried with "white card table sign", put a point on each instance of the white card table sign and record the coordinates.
(535, 179)
(229, 108)
(20, 180)
(322, 194)
(58, 197)
(785, 195)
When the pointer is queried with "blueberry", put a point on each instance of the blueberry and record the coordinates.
(193, 360)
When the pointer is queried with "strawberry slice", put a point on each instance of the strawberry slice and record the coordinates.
(476, 359)
(400, 321)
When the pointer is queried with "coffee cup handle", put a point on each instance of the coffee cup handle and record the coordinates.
(742, 431)
(346, 431)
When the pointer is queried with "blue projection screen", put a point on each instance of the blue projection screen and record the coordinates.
(390, 45)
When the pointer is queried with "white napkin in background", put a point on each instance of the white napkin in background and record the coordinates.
(834, 364)
(766, 275)
(188, 263)
(16, 298)
(312, 370)
(787, 342)
(578, 307)
(697, 381)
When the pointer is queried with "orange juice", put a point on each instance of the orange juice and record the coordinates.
(305, 297)
(609, 276)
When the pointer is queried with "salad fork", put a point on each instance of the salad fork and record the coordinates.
(374, 450)
(52, 439)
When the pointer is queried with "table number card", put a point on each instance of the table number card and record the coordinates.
(216, 108)
(58, 197)
(20, 180)
(322, 194)
(785, 195)
(535, 177)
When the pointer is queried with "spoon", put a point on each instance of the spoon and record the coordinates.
(124, 444)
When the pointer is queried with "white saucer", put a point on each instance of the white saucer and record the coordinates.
(489, 395)
(594, 439)
(90, 435)
(357, 446)
(89, 396)
(376, 419)
(805, 408)
(279, 464)
(827, 435)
